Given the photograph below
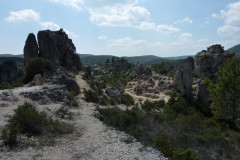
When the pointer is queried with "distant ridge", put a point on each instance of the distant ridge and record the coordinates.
(235, 49)
(11, 55)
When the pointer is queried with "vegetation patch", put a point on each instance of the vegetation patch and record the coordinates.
(27, 120)
(37, 66)
(180, 132)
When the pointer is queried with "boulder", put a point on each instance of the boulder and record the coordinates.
(113, 92)
(38, 81)
(8, 71)
(59, 49)
(184, 79)
(30, 49)
(207, 61)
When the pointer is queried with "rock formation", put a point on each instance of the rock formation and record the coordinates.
(142, 69)
(8, 71)
(184, 78)
(54, 46)
(206, 64)
(207, 61)
(30, 48)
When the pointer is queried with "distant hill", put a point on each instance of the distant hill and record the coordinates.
(89, 59)
(85, 55)
(235, 49)
(178, 58)
(16, 59)
(145, 59)
(11, 55)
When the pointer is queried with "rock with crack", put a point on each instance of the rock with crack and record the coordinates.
(59, 49)
(184, 79)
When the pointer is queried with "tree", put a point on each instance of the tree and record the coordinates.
(225, 93)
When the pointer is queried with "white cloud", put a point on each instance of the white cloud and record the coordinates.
(227, 30)
(55, 27)
(185, 36)
(23, 16)
(167, 29)
(203, 40)
(185, 20)
(120, 13)
(50, 25)
(183, 45)
(231, 17)
(102, 37)
(75, 4)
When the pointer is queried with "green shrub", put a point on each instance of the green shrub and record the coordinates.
(187, 154)
(127, 99)
(207, 80)
(91, 96)
(37, 66)
(28, 120)
(104, 100)
(148, 105)
(162, 144)
(5, 85)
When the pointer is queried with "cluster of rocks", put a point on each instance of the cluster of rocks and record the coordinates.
(8, 72)
(60, 50)
(192, 71)
(142, 70)
(46, 94)
(54, 46)
(113, 92)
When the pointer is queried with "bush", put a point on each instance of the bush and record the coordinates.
(37, 66)
(187, 154)
(91, 96)
(148, 105)
(5, 85)
(127, 99)
(28, 120)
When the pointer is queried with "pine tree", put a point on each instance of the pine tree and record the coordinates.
(225, 93)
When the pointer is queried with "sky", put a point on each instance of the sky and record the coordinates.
(163, 28)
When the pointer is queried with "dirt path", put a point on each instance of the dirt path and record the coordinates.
(91, 140)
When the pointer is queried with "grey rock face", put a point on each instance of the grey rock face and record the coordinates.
(203, 94)
(50, 94)
(59, 76)
(30, 48)
(8, 71)
(207, 62)
(142, 69)
(113, 92)
(59, 49)
(184, 78)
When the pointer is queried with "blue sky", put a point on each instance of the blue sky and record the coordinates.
(124, 27)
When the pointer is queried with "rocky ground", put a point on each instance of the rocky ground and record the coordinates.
(154, 87)
(90, 140)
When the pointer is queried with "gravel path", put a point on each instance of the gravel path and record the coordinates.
(91, 140)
